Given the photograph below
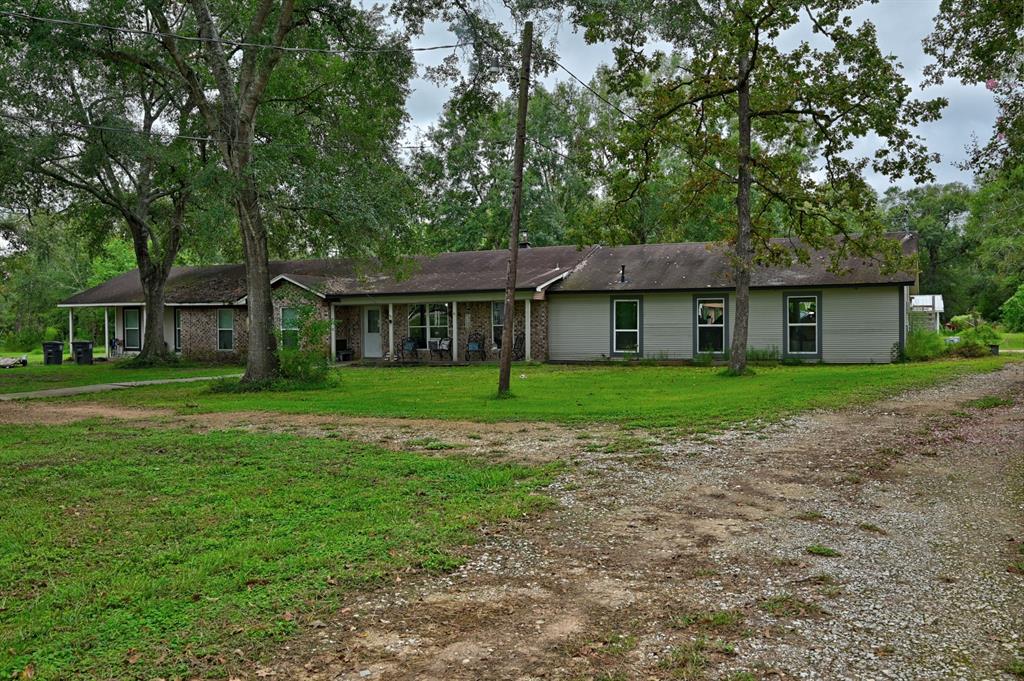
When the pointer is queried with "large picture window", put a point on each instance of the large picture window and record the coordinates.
(711, 325)
(290, 328)
(497, 322)
(132, 326)
(225, 329)
(626, 331)
(428, 323)
(177, 329)
(802, 325)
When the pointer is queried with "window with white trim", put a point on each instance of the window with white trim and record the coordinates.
(225, 329)
(177, 329)
(428, 323)
(711, 325)
(626, 331)
(802, 325)
(290, 328)
(132, 324)
(497, 322)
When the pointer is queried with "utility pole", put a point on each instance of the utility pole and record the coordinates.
(507, 337)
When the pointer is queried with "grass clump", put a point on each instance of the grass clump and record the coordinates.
(825, 551)
(809, 515)
(871, 527)
(788, 605)
(710, 621)
(990, 402)
(1015, 667)
(923, 345)
(168, 542)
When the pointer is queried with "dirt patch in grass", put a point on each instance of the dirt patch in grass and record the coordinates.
(696, 566)
(531, 443)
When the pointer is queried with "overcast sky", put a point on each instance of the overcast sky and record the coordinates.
(902, 24)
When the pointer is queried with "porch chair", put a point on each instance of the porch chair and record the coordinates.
(407, 350)
(442, 348)
(475, 346)
(519, 347)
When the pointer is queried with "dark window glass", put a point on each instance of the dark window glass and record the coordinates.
(497, 322)
(711, 312)
(290, 328)
(627, 341)
(418, 325)
(803, 310)
(177, 330)
(803, 339)
(132, 337)
(711, 339)
(225, 329)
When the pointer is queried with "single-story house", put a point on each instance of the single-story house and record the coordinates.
(659, 301)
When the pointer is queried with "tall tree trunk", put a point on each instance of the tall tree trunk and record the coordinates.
(507, 335)
(261, 360)
(153, 273)
(154, 347)
(744, 256)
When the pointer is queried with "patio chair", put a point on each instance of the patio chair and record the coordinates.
(407, 350)
(442, 348)
(475, 346)
(519, 347)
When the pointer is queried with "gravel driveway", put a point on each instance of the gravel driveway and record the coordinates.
(878, 542)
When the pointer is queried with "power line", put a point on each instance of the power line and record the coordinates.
(221, 41)
(591, 89)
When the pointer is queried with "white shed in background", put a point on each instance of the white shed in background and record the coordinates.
(925, 311)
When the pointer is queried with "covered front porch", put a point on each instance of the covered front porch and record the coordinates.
(423, 330)
(123, 328)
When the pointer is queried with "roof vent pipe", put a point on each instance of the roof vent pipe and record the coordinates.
(622, 273)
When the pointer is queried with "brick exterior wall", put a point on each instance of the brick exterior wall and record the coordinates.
(199, 326)
(199, 335)
(290, 295)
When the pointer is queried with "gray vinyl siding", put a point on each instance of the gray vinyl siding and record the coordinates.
(860, 324)
(668, 326)
(578, 326)
(764, 328)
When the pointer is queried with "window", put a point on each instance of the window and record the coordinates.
(373, 320)
(626, 329)
(290, 328)
(497, 322)
(427, 323)
(225, 329)
(132, 335)
(711, 325)
(802, 325)
(177, 329)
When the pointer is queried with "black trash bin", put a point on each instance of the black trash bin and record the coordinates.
(53, 352)
(82, 352)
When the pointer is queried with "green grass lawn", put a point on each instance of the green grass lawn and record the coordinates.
(1012, 341)
(681, 396)
(37, 376)
(138, 554)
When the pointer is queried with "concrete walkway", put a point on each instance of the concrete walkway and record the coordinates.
(103, 387)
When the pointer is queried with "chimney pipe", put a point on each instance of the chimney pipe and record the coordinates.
(622, 273)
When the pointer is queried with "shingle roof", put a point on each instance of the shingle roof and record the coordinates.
(465, 271)
(649, 267)
(696, 266)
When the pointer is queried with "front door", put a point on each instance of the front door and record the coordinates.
(371, 332)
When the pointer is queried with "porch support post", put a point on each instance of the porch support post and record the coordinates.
(106, 333)
(391, 331)
(331, 352)
(455, 331)
(526, 330)
(71, 326)
(142, 331)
